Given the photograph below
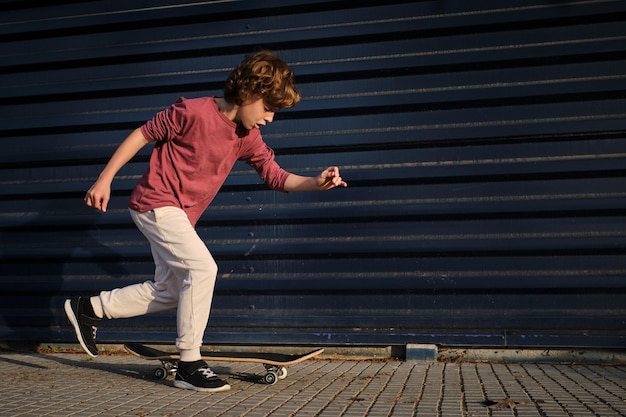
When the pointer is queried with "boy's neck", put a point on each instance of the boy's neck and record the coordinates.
(229, 110)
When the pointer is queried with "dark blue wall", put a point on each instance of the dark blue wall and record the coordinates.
(483, 143)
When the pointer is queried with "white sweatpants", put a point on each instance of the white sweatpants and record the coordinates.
(184, 277)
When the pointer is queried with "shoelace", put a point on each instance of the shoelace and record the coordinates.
(94, 329)
(207, 373)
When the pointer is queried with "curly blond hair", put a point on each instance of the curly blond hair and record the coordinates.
(262, 75)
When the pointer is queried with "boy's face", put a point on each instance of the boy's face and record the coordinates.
(253, 113)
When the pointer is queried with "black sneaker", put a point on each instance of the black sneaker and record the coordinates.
(198, 377)
(85, 323)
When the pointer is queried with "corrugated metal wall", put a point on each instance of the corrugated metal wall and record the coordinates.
(483, 143)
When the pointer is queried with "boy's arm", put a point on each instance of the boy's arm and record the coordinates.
(100, 192)
(327, 179)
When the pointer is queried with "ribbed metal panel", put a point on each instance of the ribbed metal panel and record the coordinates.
(483, 143)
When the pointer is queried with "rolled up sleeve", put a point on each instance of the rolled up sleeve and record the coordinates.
(261, 158)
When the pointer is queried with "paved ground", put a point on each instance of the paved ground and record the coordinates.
(121, 385)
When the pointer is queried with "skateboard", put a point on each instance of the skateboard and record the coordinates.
(275, 363)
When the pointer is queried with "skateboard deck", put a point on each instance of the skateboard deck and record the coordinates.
(274, 363)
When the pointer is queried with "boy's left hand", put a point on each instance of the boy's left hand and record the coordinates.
(330, 178)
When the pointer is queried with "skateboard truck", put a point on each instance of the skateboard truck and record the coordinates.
(272, 372)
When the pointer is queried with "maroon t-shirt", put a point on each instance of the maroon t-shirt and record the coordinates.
(195, 150)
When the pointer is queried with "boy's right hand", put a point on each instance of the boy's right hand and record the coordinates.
(100, 192)
(98, 196)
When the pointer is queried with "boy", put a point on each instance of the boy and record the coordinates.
(197, 142)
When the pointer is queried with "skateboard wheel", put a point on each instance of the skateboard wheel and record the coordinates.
(282, 373)
(160, 373)
(270, 378)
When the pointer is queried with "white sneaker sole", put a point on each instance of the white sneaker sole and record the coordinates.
(72, 317)
(187, 385)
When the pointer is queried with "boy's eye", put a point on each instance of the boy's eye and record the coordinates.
(269, 108)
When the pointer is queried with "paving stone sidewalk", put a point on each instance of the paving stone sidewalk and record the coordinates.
(122, 385)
